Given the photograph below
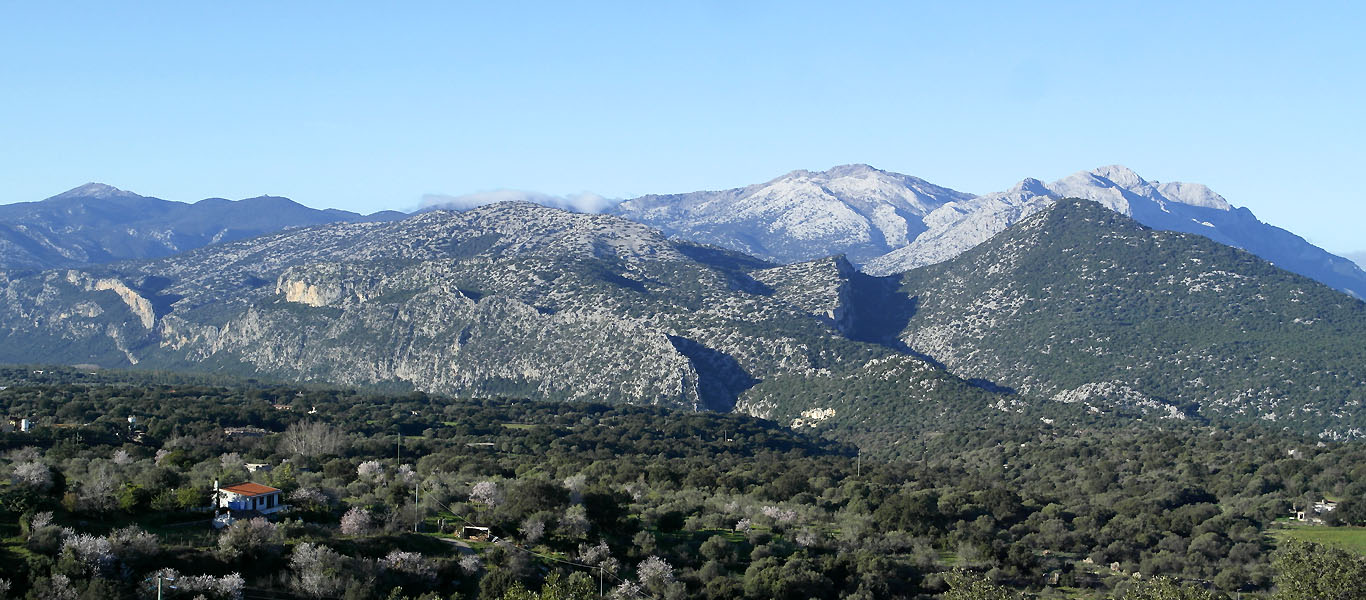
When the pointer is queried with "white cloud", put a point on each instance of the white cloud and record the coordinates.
(585, 202)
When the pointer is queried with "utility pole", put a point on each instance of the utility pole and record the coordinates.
(160, 578)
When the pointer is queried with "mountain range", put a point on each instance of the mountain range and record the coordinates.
(1075, 310)
(97, 223)
(889, 223)
(882, 222)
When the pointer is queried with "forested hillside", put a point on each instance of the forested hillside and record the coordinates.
(1082, 305)
(659, 503)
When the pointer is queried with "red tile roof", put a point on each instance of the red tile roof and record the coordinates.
(247, 488)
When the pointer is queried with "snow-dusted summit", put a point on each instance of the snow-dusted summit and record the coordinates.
(888, 223)
(95, 191)
(1186, 207)
(854, 210)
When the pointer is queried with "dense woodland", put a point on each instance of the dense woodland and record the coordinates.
(638, 502)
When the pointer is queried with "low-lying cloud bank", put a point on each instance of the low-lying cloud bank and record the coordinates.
(585, 202)
(1357, 257)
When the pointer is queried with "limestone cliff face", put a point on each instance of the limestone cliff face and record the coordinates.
(516, 300)
(141, 307)
(327, 284)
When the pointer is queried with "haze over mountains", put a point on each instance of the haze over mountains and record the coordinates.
(1358, 257)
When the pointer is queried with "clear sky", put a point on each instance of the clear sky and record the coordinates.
(368, 106)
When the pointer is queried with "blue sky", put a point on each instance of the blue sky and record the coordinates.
(369, 106)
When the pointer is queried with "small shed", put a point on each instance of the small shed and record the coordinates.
(478, 534)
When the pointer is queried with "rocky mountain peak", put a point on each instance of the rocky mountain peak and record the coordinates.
(1120, 175)
(1030, 185)
(852, 170)
(1194, 194)
(1175, 206)
(98, 191)
(852, 209)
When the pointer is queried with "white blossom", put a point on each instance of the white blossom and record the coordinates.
(471, 564)
(655, 572)
(93, 552)
(487, 493)
(317, 570)
(575, 521)
(228, 586)
(412, 564)
(628, 590)
(370, 470)
(41, 520)
(33, 474)
(532, 529)
(779, 514)
(357, 521)
(122, 457)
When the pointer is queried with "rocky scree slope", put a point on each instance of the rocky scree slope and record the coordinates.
(96, 223)
(1081, 304)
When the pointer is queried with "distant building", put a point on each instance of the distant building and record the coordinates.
(243, 431)
(247, 499)
(1314, 514)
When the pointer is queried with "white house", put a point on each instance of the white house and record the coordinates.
(1316, 513)
(247, 497)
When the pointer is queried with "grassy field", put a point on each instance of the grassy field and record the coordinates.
(1350, 538)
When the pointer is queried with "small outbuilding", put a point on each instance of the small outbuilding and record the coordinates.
(479, 534)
